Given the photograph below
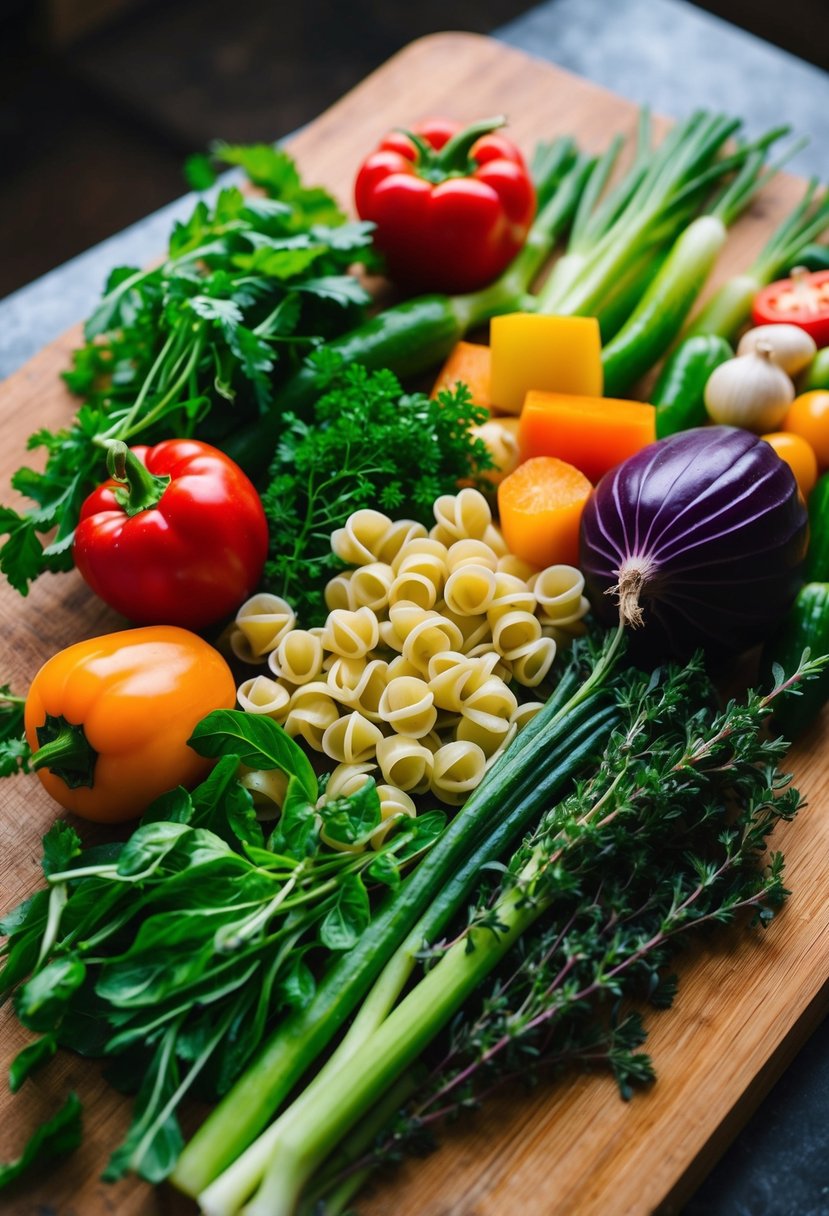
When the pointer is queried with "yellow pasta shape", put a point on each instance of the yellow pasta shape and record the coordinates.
(408, 706)
(267, 789)
(557, 590)
(405, 617)
(458, 769)
(514, 631)
(468, 551)
(429, 637)
(490, 738)
(339, 592)
(298, 657)
(351, 634)
(369, 689)
(469, 590)
(516, 566)
(405, 762)
(398, 535)
(421, 546)
(352, 739)
(343, 678)
(565, 621)
(358, 542)
(492, 700)
(531, 663)
(346, 779)
(310, 714)
(395, 805)
(494, 537)
(474, 631)
(511, 595)
(525, 713)
(412, 587)
(465, 514)
(492, 662)
(261, 695)
(264, 619)
(449, 673)
(369, 586)
(400, 666)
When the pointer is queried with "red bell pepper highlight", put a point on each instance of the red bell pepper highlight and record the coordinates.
(452, 206)
(801, 300)
(177, 536)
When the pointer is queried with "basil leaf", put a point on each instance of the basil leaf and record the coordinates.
(258, 741)
(147, 848)
(41, 1001)
(30, 1059)
(61, 845)
(348, 918)
(57, 1136)
(297, 832)
(224, 806)
(176, 806)
(297, 984)
(384, 869)
(422, 834)
(347, 820)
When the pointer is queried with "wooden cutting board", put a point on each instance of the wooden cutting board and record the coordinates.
(747, 1001)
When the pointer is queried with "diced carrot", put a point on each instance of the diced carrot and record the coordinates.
(469, 363)
(540, 507)
(501, 437)
(592, 433)
(559, 354)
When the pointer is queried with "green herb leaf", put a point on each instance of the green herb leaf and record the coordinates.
(61, 845)
(54, 1138)
(259, 743)
(30, 1059)
(349, 917)
(147, 848)
(41, 1001)
(353, 818)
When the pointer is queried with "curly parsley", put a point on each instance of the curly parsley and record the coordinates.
(367, 445)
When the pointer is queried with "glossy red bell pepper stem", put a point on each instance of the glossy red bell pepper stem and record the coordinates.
(452, 207)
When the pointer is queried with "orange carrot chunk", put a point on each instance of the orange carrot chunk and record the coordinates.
(469, 363)
(540, 507)
(592, 433)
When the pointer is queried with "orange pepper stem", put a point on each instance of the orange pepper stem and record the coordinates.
(66, 752)
(141, 489)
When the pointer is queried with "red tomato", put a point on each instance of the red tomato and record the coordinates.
(801, 300)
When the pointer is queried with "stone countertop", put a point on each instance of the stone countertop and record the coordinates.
(675, 58)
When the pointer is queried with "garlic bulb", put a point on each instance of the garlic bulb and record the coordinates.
(791, 347)
(750, 391)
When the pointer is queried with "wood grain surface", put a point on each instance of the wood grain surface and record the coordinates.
(746, 1002)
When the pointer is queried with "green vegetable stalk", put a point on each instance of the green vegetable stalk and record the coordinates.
(653, 761)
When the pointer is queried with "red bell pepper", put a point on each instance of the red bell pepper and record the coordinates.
(451, 206)
(177, 536)
(801, 300)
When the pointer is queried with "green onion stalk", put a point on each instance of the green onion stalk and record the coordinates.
(348, 1088)
(730, 307)
(544, 757)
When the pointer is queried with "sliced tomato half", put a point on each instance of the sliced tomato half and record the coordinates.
(801, 300)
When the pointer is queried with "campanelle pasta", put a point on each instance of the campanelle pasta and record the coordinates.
(411, 681)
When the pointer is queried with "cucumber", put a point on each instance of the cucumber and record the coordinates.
(816, 374)
(679, 396)
(816, 569)
(807, 625)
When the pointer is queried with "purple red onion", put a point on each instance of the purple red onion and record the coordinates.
(696, 541)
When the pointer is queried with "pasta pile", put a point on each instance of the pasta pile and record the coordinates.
(409, 680)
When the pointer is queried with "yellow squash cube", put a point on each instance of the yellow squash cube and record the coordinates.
(554, 354)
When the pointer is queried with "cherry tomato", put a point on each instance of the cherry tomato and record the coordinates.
(799, 455)
(808, 416)
(801, 300)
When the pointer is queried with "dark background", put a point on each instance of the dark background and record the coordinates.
(102, 100)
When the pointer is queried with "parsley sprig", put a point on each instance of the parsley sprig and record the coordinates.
(195, 345)
(366, 444)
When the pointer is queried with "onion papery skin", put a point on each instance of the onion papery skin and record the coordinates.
(713, 519)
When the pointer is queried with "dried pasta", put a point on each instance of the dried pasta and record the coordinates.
(261, 695)
(298, 657)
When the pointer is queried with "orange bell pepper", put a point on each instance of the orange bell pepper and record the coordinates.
(592, 433)
(108, 719)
